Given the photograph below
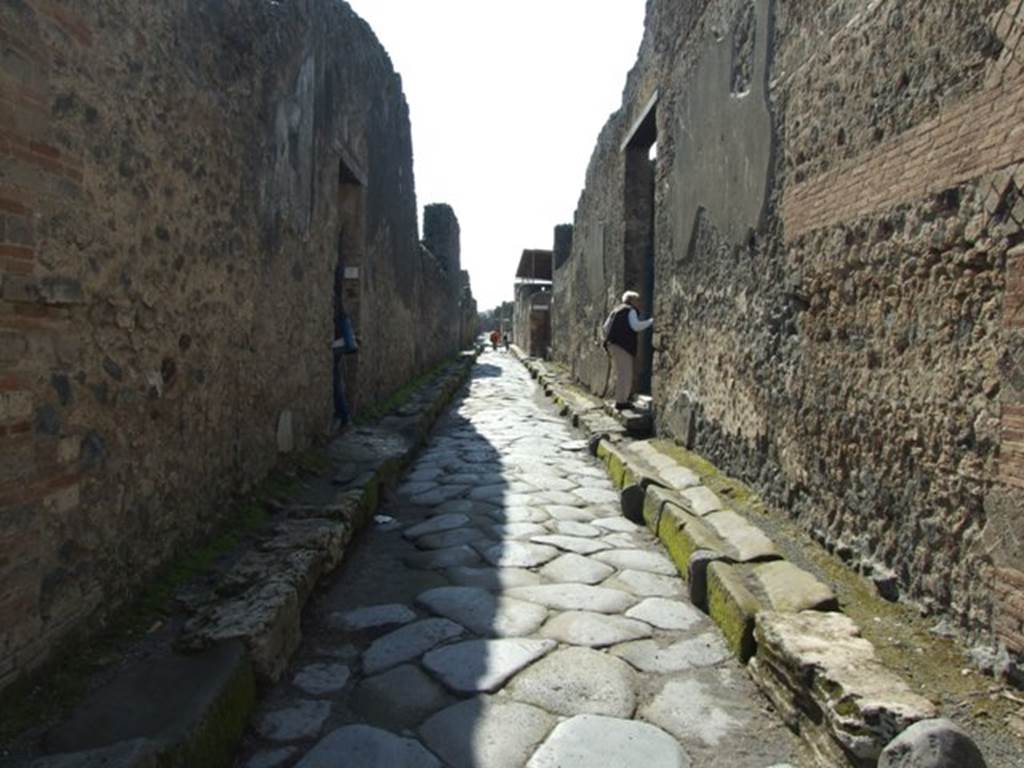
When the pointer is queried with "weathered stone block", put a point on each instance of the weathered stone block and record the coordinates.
(733, 607)
(679, 478)
(655, 497)
(744, 542)
(683, 534)
(938, 743)
(827, 681)
(791, 589)
(701, 500)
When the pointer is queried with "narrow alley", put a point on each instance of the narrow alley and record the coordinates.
(501, 612)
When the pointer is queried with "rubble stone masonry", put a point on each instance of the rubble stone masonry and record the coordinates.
(835, 273)
(178, 182)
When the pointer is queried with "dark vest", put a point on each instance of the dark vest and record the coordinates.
(620, 333)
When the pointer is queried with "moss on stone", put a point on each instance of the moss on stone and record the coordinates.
(216, 739)
(617, 470)
(679, 545)
(652, 511)
(732, 608)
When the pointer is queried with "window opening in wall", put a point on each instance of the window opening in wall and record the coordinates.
(641, 153)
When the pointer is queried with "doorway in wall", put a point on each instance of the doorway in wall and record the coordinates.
(347, 285)
(640, 152)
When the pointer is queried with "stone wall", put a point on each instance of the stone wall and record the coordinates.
(833, 216)
(178, 182)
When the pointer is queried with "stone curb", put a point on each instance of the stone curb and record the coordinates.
(257, 604)
(785, 624)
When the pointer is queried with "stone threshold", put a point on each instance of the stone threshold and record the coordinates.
(189, 703)
(810, 660)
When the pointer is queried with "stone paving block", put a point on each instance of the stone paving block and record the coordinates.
(135, 753)
(518, 530)
(494, 579)
(485, 732)
(574, 514)
(454, 538)
(827, 681)
(616, 524)
(573, 568)
(577, 544)
(321, 679)
(519, 554)
(651, 656)
(513, 515)
(732, 607)
(372, 617)
(399, 698)
(594, 630)
(596, 495)
(483, 613)
(744, 542)
(638, 560)
(408, 643)
(575, 681)
(573, 528)
(624, 540)
(443, 558)
(587, 741)
(483, 666)
(439, 524)
(272, 758)
(368, 747)
(301, 720)
(708, 710)
(701, 500)
(439, 495)
(644, 584)
(673, 615)
(791, 589)
(576, 597)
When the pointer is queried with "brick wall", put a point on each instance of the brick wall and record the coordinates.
(975, 137)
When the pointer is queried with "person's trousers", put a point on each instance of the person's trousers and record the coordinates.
(338, 384)
(623, 372)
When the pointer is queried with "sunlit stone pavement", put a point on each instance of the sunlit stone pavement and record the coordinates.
(501, 612)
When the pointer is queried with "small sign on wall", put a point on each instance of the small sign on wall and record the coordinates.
(351, 273)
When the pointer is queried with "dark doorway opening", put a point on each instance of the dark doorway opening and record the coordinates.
(347, 290)
(640, 151)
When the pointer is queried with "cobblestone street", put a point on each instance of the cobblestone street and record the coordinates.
(501, 612)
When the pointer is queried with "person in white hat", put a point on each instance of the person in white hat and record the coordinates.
(620, 339)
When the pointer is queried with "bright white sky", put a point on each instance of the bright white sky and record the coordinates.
(506, 101)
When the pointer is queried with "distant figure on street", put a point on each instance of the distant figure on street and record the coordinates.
(344, 344)
(620, 340)
(495, 338)
(505, 339)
